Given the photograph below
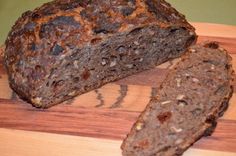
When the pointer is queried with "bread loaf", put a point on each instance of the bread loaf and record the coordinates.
(68, 47)
(190, 100)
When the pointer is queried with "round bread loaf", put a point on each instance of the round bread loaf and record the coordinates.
(68, 47)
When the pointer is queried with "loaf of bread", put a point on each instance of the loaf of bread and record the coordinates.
(68, 47)
(194, 94)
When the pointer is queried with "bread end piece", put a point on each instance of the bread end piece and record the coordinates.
(191, 99)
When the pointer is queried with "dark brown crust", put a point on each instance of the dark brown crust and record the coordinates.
(208, 121)
(41, 39)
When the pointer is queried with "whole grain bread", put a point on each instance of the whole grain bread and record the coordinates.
(190, 100)
(68, 47)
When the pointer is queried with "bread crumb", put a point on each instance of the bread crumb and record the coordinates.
(178, 141)
(104, 62)
(180, 97)
(191, 33)
(37, 100)
(165, 102)
(192, 50)
(139, 126)
(72, 93)
(113, 63)
(187, 74)
(195, 80)
(176, 130)
(182, 103)
(212, 67)
(178, 80)
(76, 64)
(136, 43)
(129, 65)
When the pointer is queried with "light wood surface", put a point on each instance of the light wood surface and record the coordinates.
(96, 122)
(44, 144)
(216, 30)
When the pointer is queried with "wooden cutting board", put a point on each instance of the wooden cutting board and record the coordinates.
(95, 123)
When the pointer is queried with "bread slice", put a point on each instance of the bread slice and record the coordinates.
(66, 48)
(190, 100)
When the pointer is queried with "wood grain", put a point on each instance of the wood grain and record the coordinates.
(98, 123)
(102, 123)
(106, 113)
(26, 143)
